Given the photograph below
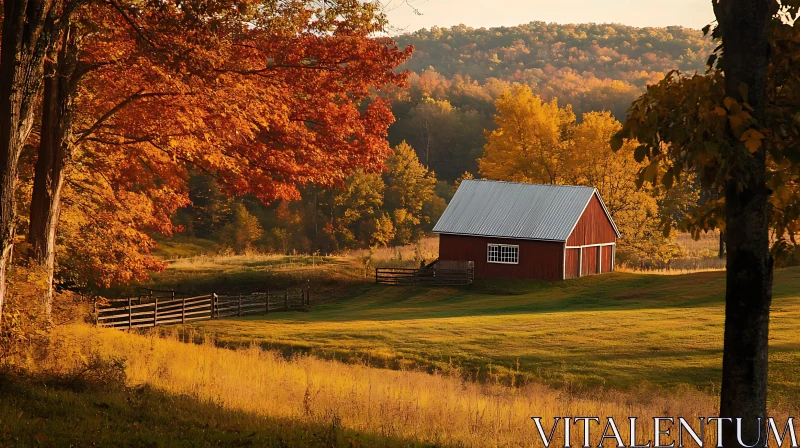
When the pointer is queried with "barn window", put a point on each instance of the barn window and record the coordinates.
(503, 253)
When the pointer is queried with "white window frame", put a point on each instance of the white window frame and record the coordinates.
(499, 253)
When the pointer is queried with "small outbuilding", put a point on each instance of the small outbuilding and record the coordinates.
(528, 231)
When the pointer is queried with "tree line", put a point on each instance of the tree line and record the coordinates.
(458, 73)
(396, 207)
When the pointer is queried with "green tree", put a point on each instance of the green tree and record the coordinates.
(447, 139)
(242, 230)
(210, 208)
(360, 203)
(409, 186)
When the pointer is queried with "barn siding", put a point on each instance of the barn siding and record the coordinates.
(571, 266)
(589, 263)
(538, 260)
(607, 258)
(593, 227)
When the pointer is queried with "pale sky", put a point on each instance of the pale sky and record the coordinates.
(493, 13)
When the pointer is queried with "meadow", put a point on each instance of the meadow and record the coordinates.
(373, 365)
(617, 331)
(178, 394)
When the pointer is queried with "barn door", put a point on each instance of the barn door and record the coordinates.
(589, 260)
(572, 263)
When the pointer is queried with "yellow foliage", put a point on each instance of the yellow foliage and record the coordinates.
(531, 142)
(541, 143)
(752, 139)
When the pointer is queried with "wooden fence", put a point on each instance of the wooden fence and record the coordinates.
(427, 276)
(151, 309)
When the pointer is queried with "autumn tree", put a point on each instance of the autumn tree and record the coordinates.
(539, 142)
(262, 96)
(61, 73)
(241, 230)
(360, 202)
(736, 128)
(409, 186)
(638, 212)
(382, 231)
(532, 142)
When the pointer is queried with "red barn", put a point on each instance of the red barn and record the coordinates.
(528, 231)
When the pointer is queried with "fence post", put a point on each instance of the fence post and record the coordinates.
(214, 306)
(155, 313)
(183, 309)
(96, 313)
(239, 313)
(308, 293)
(266, 303)
(376, 275)
(286, 301)
(130, 314)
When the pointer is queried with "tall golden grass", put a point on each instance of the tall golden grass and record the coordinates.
(438, 409)
(706, 245)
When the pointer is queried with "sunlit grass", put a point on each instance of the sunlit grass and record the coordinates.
(330, 275)
(408, 405)
(707, 244)
(614, 331)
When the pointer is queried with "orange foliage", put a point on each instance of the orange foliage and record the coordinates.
(263, 98)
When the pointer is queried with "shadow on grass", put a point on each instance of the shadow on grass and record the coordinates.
(35, 414)
(615, 291)
(330, 280)
(351, 300)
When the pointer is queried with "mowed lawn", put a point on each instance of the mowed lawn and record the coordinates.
(616, 331)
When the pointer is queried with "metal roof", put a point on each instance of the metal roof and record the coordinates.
(516, 210)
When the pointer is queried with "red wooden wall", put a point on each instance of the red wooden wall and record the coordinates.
(593, 227)
(607, 258)
(589, 262)
(571, 265)
(538, 260)
(541, 260)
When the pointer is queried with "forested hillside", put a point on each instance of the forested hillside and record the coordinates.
(459, 72)
(538, 51)
(446, 112)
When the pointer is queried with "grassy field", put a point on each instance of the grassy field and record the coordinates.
(332, 275)
(36, 414)
(499, 352)
(617, 331)
(178, 394)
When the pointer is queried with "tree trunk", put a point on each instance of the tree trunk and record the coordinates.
(745, 32)
(28, 28)
(721, 245)
(54, 154)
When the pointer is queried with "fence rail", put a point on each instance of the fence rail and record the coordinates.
(153, 310)
(428, 276)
